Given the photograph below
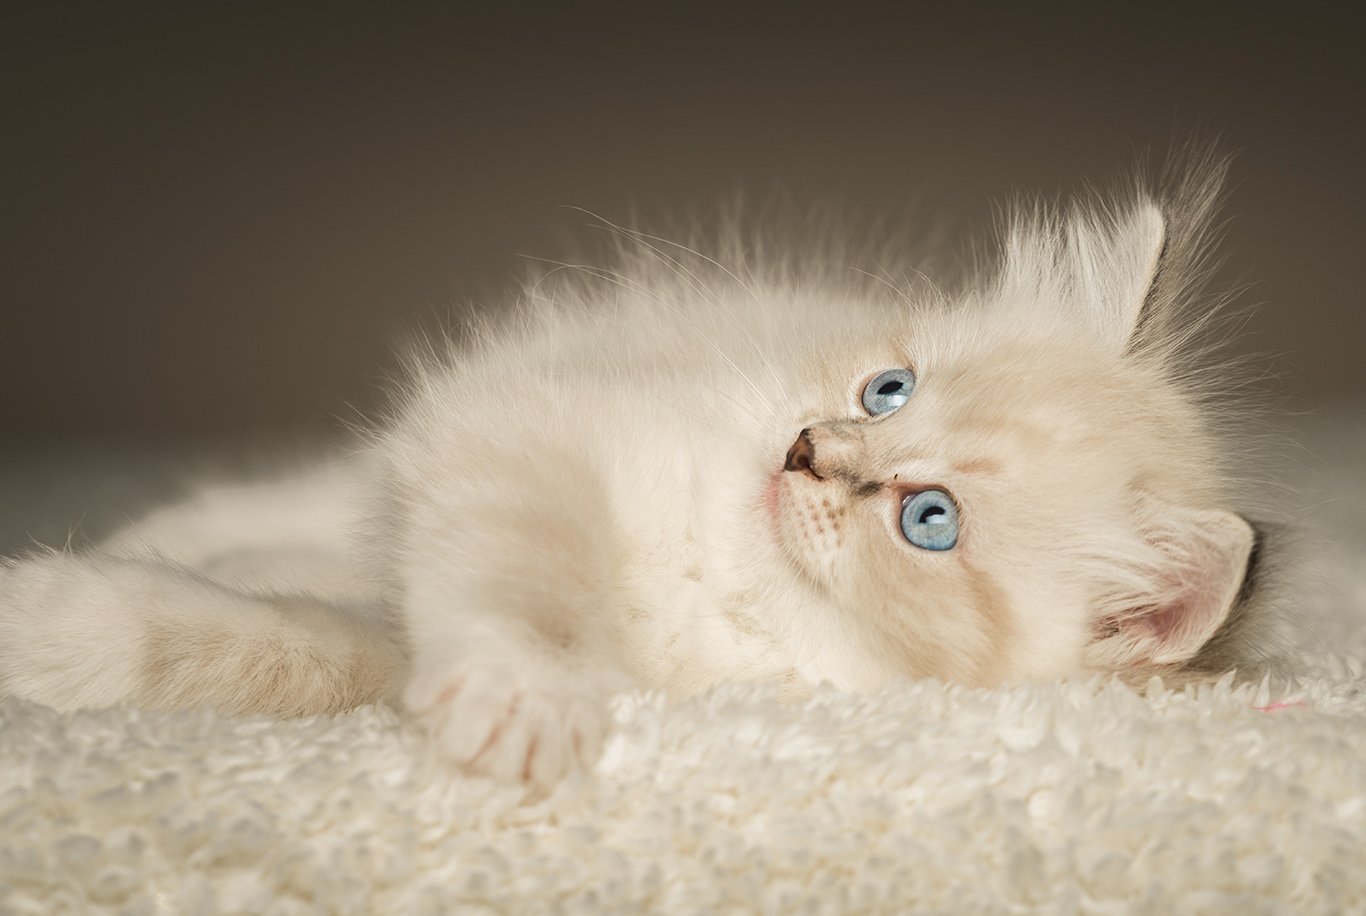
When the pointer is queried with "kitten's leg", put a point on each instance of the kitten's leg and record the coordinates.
(98, 630)
(511, 593)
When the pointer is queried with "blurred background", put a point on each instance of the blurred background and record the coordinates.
(219, 219)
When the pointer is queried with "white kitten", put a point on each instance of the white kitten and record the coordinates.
(678, 473)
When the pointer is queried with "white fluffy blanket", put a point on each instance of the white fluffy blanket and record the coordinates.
(1082, 797)
(924, 798)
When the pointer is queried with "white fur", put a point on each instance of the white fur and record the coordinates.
(590, 494)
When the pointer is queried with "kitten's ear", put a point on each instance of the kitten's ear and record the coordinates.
(1133, 274)
(1097, 265)
(1193, 579)
(1114, 265)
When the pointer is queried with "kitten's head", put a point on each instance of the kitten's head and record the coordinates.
(1025, 484)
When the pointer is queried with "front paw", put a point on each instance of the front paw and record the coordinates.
(517, 723)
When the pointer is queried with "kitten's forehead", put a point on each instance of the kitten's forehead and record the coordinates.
(1037, 380)
(1035, 400)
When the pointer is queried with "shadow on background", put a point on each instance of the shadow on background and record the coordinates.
(221, 221)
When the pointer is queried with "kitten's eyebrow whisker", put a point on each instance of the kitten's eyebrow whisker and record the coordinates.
(644, 240)
(625, 283)
(597, 272)
(744, 408)
(680, 270)
(883, 280)
(719, 352)
(688, 322)
(749, 339)
(938, 290)
(697, 254)
(749, 336)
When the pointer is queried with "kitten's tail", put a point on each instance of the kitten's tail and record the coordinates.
(99, 630)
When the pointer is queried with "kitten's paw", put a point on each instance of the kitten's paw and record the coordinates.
(516, 724)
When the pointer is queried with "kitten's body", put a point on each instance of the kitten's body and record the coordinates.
(594, 495)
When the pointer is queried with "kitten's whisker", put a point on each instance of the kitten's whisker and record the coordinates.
(644, 240)
(680, 270)
(926, 278)
(678, 313)
(749, 337)
(706, 293)
(900, 293)
(746, 409)
(691, 326)
(625, 284)
(697, 254)
(598, 273)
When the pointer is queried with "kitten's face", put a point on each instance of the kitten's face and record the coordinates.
(956, 522)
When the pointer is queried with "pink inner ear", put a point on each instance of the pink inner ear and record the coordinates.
(1179, 629)
(1197, 604)
(1208, 561)
(1155, 634)
(1158, 635)
(1165, 621)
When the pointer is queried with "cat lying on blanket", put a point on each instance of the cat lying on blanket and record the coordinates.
(680, 471)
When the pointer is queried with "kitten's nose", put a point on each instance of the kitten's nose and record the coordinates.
(802, 454)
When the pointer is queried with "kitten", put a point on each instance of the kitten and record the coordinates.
(678, 473)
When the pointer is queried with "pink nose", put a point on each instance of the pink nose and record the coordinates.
(802, 454)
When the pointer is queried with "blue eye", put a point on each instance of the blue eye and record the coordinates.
(930, 520)
(888, 391)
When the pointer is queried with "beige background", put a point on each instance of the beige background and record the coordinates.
(218, 223)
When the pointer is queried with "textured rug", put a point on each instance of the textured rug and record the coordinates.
(1080, 797)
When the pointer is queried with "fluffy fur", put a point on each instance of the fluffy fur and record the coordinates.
(591, 494)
